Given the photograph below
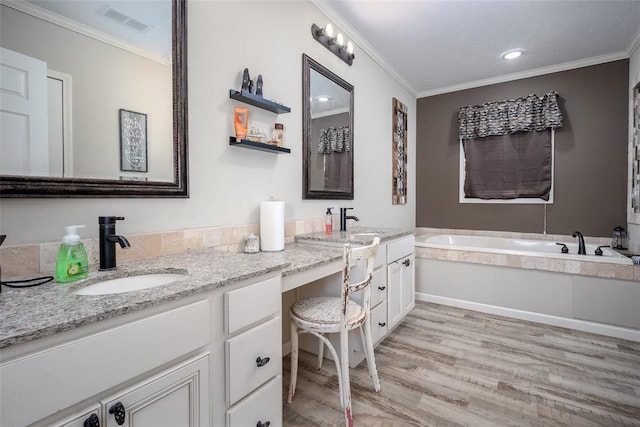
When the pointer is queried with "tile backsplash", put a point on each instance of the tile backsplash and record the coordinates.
(34, 259)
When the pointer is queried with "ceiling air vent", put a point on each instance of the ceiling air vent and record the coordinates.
(124, 19)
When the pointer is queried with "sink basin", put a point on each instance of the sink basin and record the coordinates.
(131, 283)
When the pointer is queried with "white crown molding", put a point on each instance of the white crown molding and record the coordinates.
(526, 74)
(54, 18)
(359, 40)
(635, 43)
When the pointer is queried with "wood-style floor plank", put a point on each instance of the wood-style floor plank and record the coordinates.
(445, 366)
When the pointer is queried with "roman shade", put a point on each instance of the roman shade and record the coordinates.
(508, 147)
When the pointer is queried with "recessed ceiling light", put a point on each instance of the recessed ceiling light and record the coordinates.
(512, 54)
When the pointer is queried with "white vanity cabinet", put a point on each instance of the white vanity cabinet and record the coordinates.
(142, 356)
(253, 355)
(209, 359)
(401, 297)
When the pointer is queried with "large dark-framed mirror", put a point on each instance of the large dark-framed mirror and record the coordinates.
(327, 127)
(135, 179)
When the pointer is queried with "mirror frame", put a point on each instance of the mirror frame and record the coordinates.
(43, 187)
(309, 64)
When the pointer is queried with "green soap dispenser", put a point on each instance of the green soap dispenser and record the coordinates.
(72, 263)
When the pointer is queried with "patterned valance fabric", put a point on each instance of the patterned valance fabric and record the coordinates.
(530, 113)
(334, 139)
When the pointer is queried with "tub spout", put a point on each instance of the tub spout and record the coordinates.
(581, 249)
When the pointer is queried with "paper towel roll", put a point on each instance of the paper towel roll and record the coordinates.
(272, 226)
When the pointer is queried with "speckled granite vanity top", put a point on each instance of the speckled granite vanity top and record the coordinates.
(31, 313)
(359, 235)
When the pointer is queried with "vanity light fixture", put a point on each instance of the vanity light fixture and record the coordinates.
(512, 54)
(337, 45)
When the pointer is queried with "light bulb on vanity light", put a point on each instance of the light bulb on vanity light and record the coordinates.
(340, 39)
(350, 47)
(327, 31)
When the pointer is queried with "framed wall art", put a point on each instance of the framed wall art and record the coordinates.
(133, 141)
(399, 187)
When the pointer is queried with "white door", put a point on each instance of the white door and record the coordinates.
(24, 146)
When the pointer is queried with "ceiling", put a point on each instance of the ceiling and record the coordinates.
(438, 46)
(143, 24)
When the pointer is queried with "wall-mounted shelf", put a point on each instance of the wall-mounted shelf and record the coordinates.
(258, 101)
(257, 145)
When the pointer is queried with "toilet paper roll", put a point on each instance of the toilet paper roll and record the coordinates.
(272, 226)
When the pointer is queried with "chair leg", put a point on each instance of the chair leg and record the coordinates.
(294, 362)
(320, 353)
(371, 359)
(345, 389)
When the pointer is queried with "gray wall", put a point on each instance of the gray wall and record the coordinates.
(590, 156)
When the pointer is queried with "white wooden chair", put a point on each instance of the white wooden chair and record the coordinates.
(321, 315)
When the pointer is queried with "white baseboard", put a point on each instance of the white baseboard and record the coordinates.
(564, 322)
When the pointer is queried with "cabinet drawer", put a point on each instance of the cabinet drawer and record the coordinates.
(252, 303)
(379, 287)
(381, 258)
(265, 405)
(243, 373)
(379, 322)
(400, 248)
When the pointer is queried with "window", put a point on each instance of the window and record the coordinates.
(507, 150)
(516, 168)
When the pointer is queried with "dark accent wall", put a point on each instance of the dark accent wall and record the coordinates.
(590, 156)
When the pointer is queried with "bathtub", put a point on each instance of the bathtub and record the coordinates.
(530, 280)
(522, 247)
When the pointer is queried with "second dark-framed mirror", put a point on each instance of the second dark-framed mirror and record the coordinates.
(327, 126)
(133, 178)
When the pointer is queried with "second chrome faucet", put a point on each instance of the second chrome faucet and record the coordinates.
(108, 239)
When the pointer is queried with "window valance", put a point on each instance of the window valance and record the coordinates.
(530, 113)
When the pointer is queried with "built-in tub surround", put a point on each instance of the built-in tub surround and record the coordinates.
(34, 259)
(593, 296)
(587, 265)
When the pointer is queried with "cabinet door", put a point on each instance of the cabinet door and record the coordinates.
(408, 284)
(175, 397)
(78, 419)
(394, 293)
(401, 295)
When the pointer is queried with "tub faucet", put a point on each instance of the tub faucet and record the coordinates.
(108, 240)
(581, 249)
(344, 217)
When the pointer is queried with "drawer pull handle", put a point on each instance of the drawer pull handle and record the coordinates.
(383, 324)
(406, 262)
(92, 421)
(118, 412)
(260, 362)
(263, 424)
(382, 288)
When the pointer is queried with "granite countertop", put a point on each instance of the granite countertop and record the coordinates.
(31, 313)
(360, 235)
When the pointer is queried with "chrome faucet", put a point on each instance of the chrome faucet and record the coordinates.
(344, 217)
(108, 240)
(581, 249)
